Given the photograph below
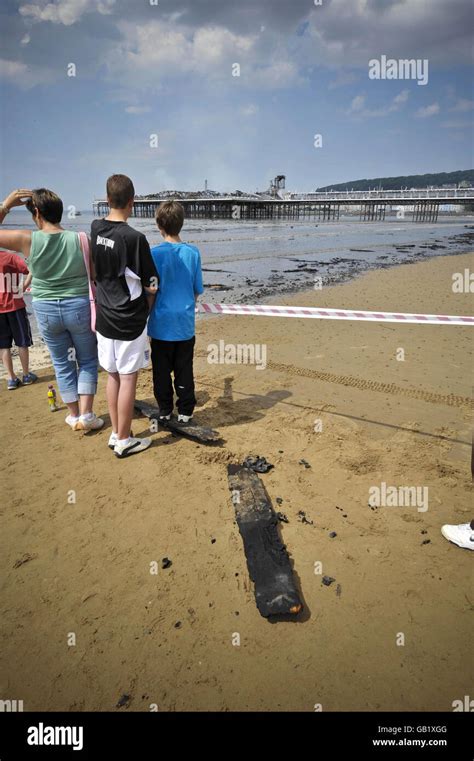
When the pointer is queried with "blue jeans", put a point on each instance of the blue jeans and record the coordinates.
(65, 325)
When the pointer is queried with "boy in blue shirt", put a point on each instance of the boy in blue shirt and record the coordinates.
(171, 325)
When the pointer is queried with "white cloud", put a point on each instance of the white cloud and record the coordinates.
(463, 105)
(358, 109)
(65, 12)
(457, 124)
(155, 53)
(343, 33)
(400, 99)
(138, 109)
(201, 40)
(213, 44)
(155, 49)
(25, 39)
(358, 104)
(276, 75)
(427, 111)
(250, 110)
(22, 75)
(343, 78)
(12, 69)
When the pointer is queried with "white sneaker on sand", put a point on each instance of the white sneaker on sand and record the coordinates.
(90, 422)
(114, 438)
(133, 446)
(462, 535)
(184, 418)
(72, 422)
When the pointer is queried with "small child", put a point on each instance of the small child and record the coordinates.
(126, 281)
(14, 322)
(171, 325)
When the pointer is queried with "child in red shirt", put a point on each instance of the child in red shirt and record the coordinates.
(14, 323)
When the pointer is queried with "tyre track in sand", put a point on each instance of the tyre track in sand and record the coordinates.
(351, 381)
(451, 400)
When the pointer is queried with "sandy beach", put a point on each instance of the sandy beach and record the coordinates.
(168, 639)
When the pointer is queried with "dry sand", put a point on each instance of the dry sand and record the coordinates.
(84, 568)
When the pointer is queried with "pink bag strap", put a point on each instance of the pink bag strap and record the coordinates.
(84, 243)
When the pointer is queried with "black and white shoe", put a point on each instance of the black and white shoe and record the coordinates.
(133, 446)
(113, 439)
(462, 535)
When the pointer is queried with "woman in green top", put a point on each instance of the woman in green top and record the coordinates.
(60, 290)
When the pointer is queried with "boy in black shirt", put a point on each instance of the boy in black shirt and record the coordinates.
(127, 281)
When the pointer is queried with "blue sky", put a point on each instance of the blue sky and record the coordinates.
(166, 69)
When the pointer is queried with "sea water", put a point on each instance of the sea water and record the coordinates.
(252, 262)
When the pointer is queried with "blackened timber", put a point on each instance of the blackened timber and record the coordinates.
(191, 430)
(268, 562)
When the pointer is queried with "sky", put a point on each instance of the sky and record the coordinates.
(176, 92)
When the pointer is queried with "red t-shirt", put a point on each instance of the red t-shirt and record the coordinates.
(12, 270)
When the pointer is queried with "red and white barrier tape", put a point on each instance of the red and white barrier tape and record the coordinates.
(334, 314)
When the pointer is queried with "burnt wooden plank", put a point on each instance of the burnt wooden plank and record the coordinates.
(268, 562)
(190, 430)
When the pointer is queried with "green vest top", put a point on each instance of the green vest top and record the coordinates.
(57, 265)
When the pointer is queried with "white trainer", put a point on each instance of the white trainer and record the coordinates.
(462, 535)
(184, 418)
(72, 422)
(90, 422)
(133, 446)
(114, 438)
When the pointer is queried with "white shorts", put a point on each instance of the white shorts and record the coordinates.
(124, 357)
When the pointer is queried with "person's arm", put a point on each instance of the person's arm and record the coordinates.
(23, 271)
(151, 290)
(91, 261)
(150, 297)
(198, 284)
(15, 240)
(148, 273)
(15, 198)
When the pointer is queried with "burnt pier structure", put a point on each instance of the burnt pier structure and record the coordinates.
(422, 206)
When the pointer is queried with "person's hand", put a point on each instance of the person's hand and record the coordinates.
(17, 198)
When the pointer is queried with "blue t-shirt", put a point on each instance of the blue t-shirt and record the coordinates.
(179, 268)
